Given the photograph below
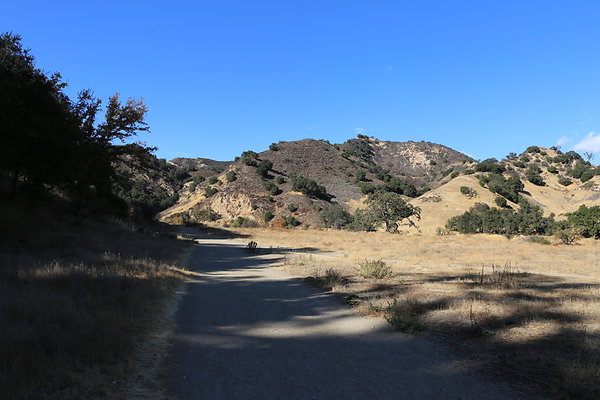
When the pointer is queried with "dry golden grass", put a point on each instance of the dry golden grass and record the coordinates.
(522, 308)
(74, 302)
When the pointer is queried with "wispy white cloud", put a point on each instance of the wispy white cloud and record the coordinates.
(359, 131)
(590, 143)
(563, 140)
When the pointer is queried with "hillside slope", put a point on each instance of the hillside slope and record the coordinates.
(262, 188)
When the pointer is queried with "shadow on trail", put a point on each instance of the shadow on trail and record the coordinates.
(246, 331)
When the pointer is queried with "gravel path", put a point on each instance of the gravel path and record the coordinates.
(246, 330)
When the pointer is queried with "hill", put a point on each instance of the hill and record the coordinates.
(291, 183)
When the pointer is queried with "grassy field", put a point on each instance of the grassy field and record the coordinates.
(527, 311)
(75, 301)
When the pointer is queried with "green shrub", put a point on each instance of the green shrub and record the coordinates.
(468, 172)
(377, 269)
(292, 207)
(501, 202)
(519, 164)
(204, 214)
(263, 168)
(586, 220)
(533, 175)
(360, 176)
(210, 191)
(506, 187)
(231, 176)
(309, 188)
(532, 149)
(249, 158)
(213, 179)
(490, 165)
(538, 240)
(241, 222)
(481, 218)
(268, 216)
(588, 174)
(280, 180)
(552, 169)
(525, 159)
(198, 179)
(334, 216)
(291, 222)
(274, 147)
(432, 162)
(564, 181)
(467, 191)
(454, 174)
(272, 188)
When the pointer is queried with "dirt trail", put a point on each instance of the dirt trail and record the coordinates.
(246, 330)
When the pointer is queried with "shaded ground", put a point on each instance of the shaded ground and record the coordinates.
(248, 331)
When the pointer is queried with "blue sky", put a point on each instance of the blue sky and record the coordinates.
(220, 77)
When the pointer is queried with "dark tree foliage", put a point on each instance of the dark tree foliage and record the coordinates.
(567, 158)
(38, 134)
(49, 141)
(310, 188)
(490, 165)
(533, 175)
(231, 176)
(391, 209)
(481, 218)
(506, 187)
(272, 188)
(359, 148)
(587, 220)
(263, 168)
(334, 216)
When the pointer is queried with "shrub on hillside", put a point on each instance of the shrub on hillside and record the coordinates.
(274, 147)
(564, 181)
(213, 179)
(506, 187)
(291, 222)
(552, 169)
(501, 202)
(310, 188)
(467, 191)
(268, 215)
(206, 213)
(586, 220)
(272, 188)
(263, 168)
(280, 180)
(231, 176)
(490, 165)
(334, 216)
(210, 191)
(241, 222)
(533, 175)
